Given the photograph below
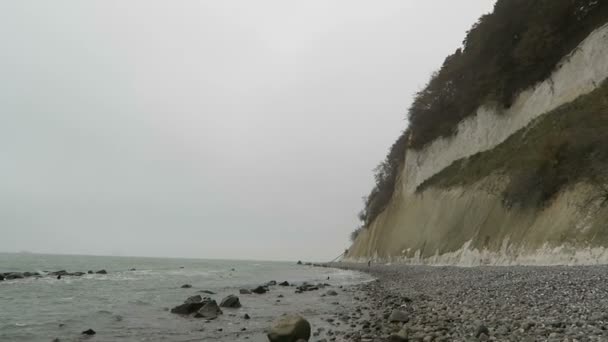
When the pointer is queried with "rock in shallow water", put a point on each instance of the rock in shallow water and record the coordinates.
(194, 299)
(210, 310)
(244, 291)
(187, 308)
(186, 286)
(289, 328)
(231, 301)
(259, 290)
(102, 272)
(89, 332)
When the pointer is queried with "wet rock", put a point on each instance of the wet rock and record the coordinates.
(133, 269)
(271, 283)
(14, 275)
(187, 308)
(246, 316)
(259, 290)
(299, 262)
(1, 277)
(244, 291)
(186, 286)
(206, 291)
(289, 328)
(78, 274)
(89, 332)
(210, 310)
(399, 316)
(90, 272)
(284, 283)
(102, 272)
(194, 299)
(332, 293)
(231, 301)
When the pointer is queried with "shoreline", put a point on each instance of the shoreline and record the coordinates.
(504, 303)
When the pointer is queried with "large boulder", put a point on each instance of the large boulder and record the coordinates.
(231, 301)
(187, 308)
(260, 290)
(14, 275)
(210, 310)
(289, 328)
(194, 299)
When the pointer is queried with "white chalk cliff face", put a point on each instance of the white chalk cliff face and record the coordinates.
(470, 226)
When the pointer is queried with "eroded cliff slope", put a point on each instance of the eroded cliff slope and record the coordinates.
(521, 185)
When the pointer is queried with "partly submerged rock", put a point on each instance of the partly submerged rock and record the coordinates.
(285, 283)
(260, 290)
(194, 299)
(187, 308)
(289, 328)
(186, 286)
(231, 301)
(14, 275)
(102, 272)
(206, 291)
(210, 310)
(89, 332)
(244, 291)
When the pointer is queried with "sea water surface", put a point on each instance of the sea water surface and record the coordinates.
(127, 305)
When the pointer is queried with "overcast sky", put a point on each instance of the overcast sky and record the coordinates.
(212, 129)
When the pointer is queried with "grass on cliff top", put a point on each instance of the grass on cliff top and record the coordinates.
(560, 148)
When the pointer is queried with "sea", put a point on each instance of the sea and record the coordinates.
(132, 301)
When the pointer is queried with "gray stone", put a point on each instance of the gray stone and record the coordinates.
(194, 299)
(289, 328)
(399, 316)
(259, 290)
(231, 301)
(210, 310)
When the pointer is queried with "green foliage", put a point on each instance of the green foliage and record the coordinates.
(355, 233)
(505, 52)
(385, 175)
(513, 48)
(558, 149)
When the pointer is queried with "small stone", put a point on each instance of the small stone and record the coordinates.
(399, 316)
(259, 290)
(89, 332)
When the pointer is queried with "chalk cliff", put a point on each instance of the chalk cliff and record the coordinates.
(458, 199)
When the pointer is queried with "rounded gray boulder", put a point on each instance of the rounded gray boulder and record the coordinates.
(289, 328)
(231, 301)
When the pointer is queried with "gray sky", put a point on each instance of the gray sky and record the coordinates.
(214, 129)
